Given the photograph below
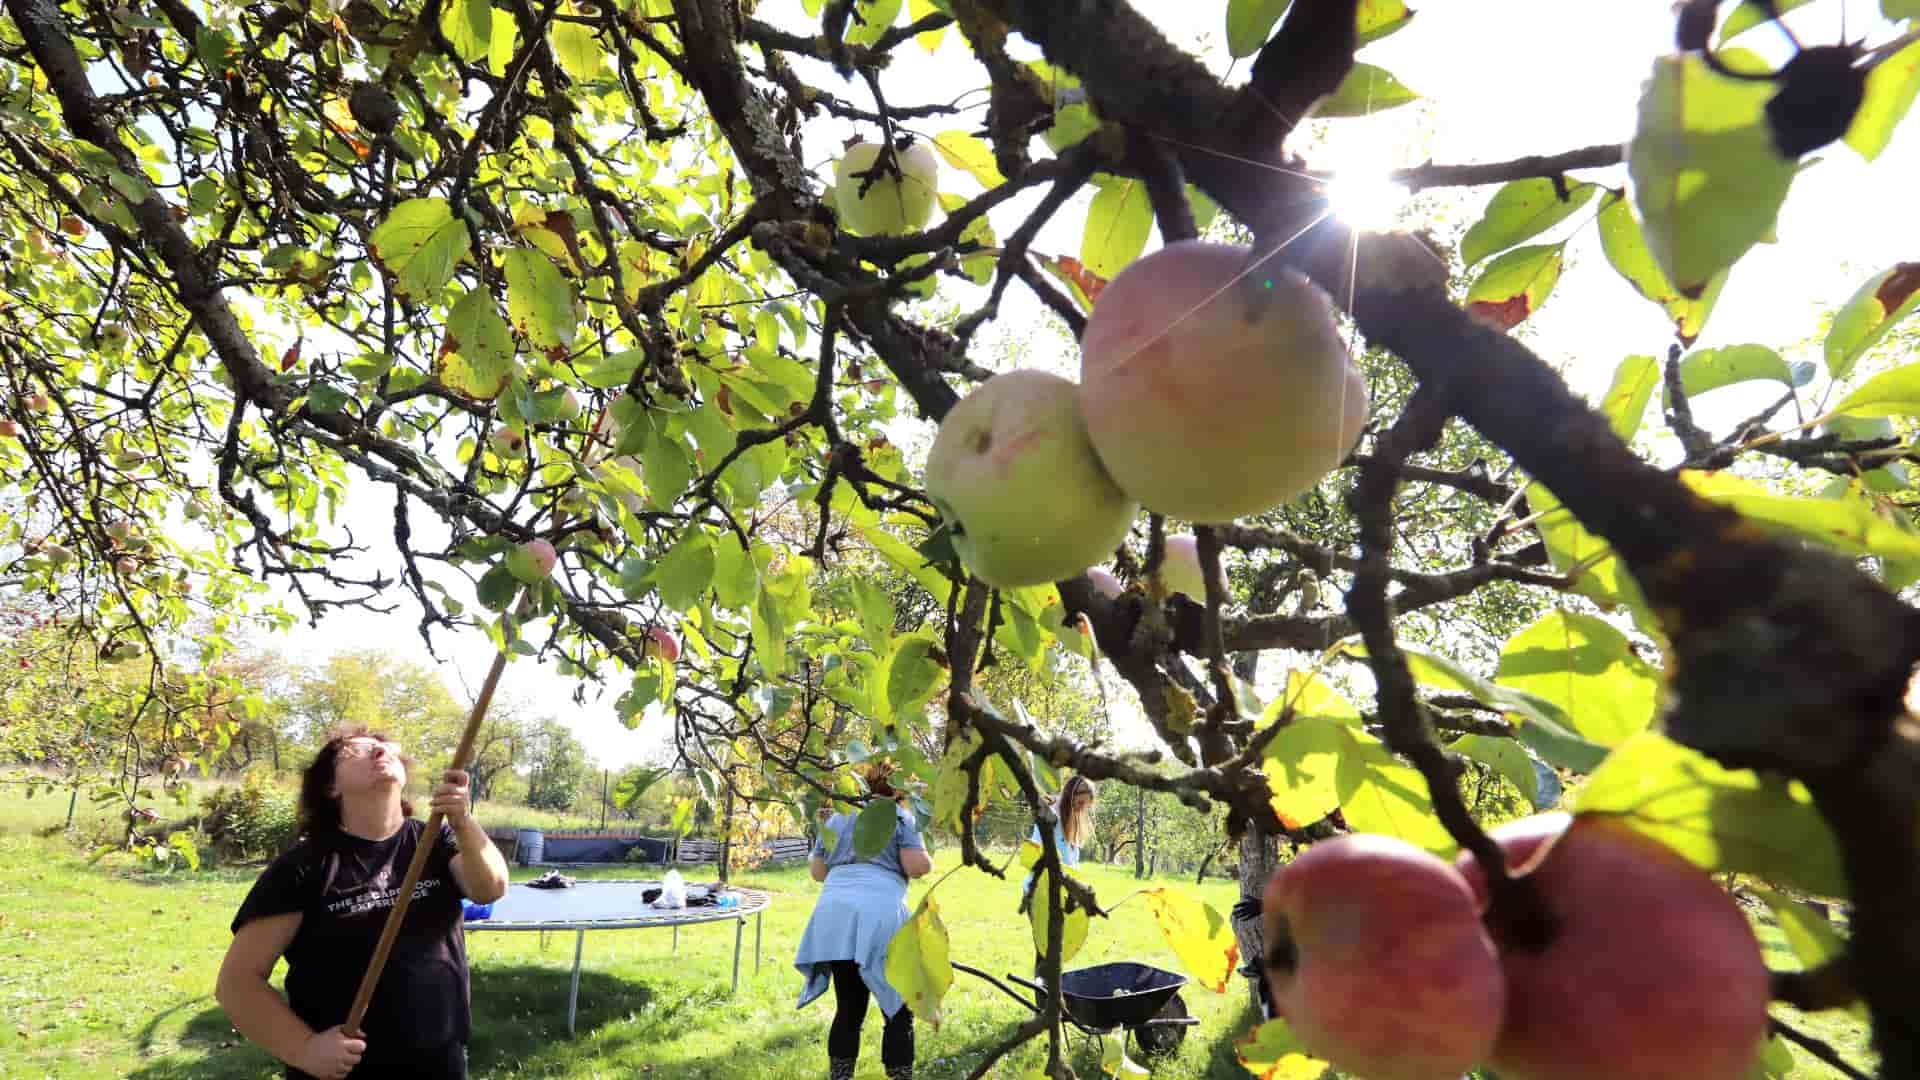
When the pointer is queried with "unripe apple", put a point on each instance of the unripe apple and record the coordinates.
(892, 204)
(1180, 568)
(1353, 404)
(506, 442)
(569, 406)
(1104, 582)
(9, 429)
(37, 402)
(57, 554)
(532, 561)
(1653, 971)
(633, 503)
(1379, 962)
(1012, 473)
(662, 643)
(1212, 391)
(119, 530)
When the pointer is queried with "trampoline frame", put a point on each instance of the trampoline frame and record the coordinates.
(753, 902)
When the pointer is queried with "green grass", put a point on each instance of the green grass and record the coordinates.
(106, 971)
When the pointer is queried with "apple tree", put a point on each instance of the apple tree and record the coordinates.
(586, 325)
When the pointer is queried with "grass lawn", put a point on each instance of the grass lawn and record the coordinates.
(105, 971)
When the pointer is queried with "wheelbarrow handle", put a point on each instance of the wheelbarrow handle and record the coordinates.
(1034, 1005)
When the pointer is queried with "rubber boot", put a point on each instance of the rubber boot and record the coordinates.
(839, 1068)
(900, 1072)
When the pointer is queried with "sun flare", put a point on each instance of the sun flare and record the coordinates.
(1365, 199)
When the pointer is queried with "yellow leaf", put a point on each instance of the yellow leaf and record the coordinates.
(970, 155)
(1202, 940)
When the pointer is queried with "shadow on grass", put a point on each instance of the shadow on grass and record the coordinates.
(519, 1025)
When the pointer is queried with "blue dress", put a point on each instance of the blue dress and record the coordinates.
(1069, 853)
(862, 904)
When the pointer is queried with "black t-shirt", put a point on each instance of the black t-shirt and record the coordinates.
(344, 886)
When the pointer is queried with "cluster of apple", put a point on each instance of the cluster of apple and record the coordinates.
(1210, 388)
(532, 562)
(1381, 963)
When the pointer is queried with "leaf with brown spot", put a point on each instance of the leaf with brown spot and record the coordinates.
(1885, 299)
(1515, 284)
(1082, 283)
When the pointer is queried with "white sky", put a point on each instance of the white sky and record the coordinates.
(1501, 80)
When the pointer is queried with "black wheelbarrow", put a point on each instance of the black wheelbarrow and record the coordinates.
(1102, 999)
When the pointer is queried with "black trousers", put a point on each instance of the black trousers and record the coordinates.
(447, 1062)
(850, 999)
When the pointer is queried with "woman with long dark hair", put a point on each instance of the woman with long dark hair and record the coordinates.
(845, 944)
(323, 903)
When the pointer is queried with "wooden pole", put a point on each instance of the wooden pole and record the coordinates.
(384, 947)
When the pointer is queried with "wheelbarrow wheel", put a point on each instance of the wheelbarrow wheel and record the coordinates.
(1159, 1040)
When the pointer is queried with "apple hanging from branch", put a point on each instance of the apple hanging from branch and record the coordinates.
(893, 203)
(1016, 481)
(531, 562)
(1215, 388)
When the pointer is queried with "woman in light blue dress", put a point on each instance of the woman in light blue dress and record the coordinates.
(1072, 830)
(845, 944)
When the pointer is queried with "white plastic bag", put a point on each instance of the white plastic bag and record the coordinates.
(673, 891)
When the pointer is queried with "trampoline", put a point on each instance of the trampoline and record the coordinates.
(615, 904)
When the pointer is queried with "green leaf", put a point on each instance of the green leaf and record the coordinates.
(1378, 18)
(1752, 13)
(912, 674)
(1809, 934)
(505, 42)
(1891, 88)
(1301, 764)
(667, 467)
(685, 572)
(1625, 405)
(875, 609)
(950, 782)
(1073, 920)
(1710, 369)
(1542, 726)
(421, 243)
(1721, 820)
(1890, 393)
(1249, 22)
(971, 155)
(634, 784)
(1203, 941)
(1707, 180)
(917, 965)
(1272, 1051)
(1381, 794)
(918, 9)
(478, 358)
(1601, 577)
(871, 20)
(1118, 223)
(539, 301)
(468, 25)
(1518, 212)
(1588, 669)
(1626, 249)
(1848, 525)
(1503, 756)
(497, 588)
(873, 829)
(577, 47)
(1514, 285)
(1886, 298)
(736, 581)
(1365, 91)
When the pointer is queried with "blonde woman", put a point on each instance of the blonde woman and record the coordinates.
(1072, 830)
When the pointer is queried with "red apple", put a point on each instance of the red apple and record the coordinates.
(507, 443)
(662, 643)
(532, 561)
(126, 566)
(1653, 973)
(37, 403)
(1378, 960)
(9, 429)
(1213, 390)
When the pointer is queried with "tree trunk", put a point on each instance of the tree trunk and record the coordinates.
(1140, 834)
(1259, 858)
(726, 832)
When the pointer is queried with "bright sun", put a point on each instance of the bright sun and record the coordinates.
(1357, 190)
(1365, 200)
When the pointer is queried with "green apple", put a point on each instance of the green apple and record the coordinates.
(892, 205)
(1014, 477)
(1180, 568)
